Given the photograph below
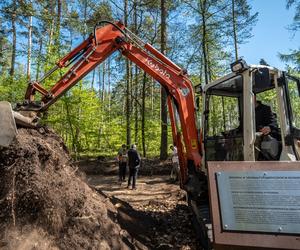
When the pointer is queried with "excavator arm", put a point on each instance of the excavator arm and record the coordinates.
(99, 46)
(85, 57)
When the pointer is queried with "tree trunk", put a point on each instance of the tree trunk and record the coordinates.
(57, 37)
(68, 117)
(223, 114)
(2, 52)
(143, 111)
(77, 129)
(93, 79)
(136, 125)
(39, 57)
(103, 84)
(85, 18)
(152, 97)
(14, 40)
(99, 79)
(29, 48)
(50, 37)
(102, 107)
(109, 92)
(204, 49)
(136, 107)
(128, 90)
(164, 113)
(234, 31)
(51, 33)
(209, 64)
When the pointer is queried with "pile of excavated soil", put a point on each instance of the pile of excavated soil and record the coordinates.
(44, 204)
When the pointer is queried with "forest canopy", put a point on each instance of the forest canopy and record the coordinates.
(117, 102)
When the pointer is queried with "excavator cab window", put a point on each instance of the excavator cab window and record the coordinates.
(223, 116)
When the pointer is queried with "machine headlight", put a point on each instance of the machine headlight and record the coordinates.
(239, 65)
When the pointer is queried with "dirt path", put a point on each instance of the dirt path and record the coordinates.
(148, 188)
(156, 213)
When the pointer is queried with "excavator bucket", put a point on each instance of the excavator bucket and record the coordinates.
(9, 120)
(8, 128)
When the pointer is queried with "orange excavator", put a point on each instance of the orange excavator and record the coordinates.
(98, 47)
(230, 141)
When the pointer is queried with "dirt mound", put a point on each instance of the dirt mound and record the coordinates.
(47, 204)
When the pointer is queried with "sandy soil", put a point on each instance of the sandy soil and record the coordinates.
(157, 188)
(46, 202)
(156, 213)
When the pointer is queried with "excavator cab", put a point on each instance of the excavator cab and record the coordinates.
(242, 161)
(229, 126)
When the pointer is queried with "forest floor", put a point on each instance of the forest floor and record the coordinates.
(46, 202)
(156, 213)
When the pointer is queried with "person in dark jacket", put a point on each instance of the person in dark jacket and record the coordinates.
(266, 123)
(122, 158)
(134, 161)
(265, 120)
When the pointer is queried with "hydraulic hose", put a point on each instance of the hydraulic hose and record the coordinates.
(107, 22)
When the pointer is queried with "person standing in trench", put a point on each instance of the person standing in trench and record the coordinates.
(122, 158)
(134, 161)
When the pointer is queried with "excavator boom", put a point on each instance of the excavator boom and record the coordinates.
(83, 59)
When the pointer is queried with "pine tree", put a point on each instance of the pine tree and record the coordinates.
(242, 21)
(164, 112)
(263, 62)
(294, 55)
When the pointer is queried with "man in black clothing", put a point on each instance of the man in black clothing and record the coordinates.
(265, 120)
(266, 123)
(134, 160)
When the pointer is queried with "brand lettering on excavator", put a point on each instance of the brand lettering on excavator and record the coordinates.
(156, 68)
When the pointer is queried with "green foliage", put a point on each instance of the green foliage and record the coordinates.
(294, 55)
(296, 3)
(91, 116)
(13, 90)
(220, 119)
(263, 62)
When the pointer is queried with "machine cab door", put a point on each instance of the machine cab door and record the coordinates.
(292, 87)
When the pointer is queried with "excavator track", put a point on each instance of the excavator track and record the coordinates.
(198, 202)
(204, 216)
(202, 224)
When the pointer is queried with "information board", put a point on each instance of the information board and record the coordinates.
(260, 201)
